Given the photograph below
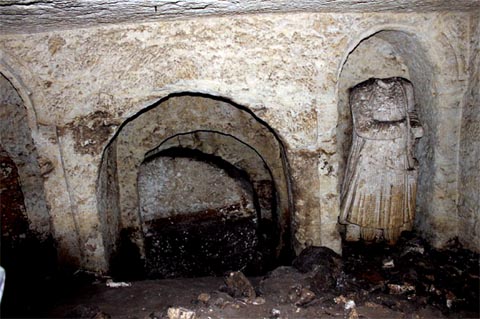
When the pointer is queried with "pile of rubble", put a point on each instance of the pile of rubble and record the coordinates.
(410, 279)
(406, 278)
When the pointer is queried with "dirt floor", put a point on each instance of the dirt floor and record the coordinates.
(409, 280)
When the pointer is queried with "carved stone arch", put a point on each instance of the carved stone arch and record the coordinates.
(7, 69)
(360, 37)
(117, 187)
(26, 230)
(246, 158)
(20, 142)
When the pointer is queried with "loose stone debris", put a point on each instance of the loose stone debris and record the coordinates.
(237, 285)
(204, 297)
(395, 289)
(388, 263)
(110, 283)
(180, 313)
(275, 313)
(302, 296)
(350, 307)
(423, 283)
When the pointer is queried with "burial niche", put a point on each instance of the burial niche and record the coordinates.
(24, 215)
(382, 55)
(200, 215)
(194, 186)
(24, 218)
(379, 189)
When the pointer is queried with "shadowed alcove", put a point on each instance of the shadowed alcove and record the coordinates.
(194, 185)
(184, 159)
(385, 54)
(25, 221)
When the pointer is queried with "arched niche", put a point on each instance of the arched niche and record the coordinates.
(28, 252)
(211, 125)
(199, 215)
(388, 53)
(17, 144)
(236, 152)
(7, 70)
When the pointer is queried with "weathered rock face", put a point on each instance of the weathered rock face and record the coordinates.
(14, 221)
(101, 98)
(198, 215)
(25, 221)
(170, 186)
(235, 152)
(27, 251)
(16, 141)
(158, 171)
(46, 15)
(469, 156)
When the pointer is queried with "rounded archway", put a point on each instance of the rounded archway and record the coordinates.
(235, 152)
(25, 231)
(200, 159)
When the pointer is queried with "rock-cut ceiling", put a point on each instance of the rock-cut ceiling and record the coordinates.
(28, 16)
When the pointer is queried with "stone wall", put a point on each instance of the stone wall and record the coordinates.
(206, 124)
(235, 152)
(16, 141)
(170, 186)
(198, 213)
(27, 249)
(285, 68)
(469, 156)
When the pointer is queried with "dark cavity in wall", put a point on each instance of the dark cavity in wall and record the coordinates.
(187, 171)
(28, 251)
(205, 242)
(28, 260)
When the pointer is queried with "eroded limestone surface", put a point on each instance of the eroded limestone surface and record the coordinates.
(84, 88)
(51, 15)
